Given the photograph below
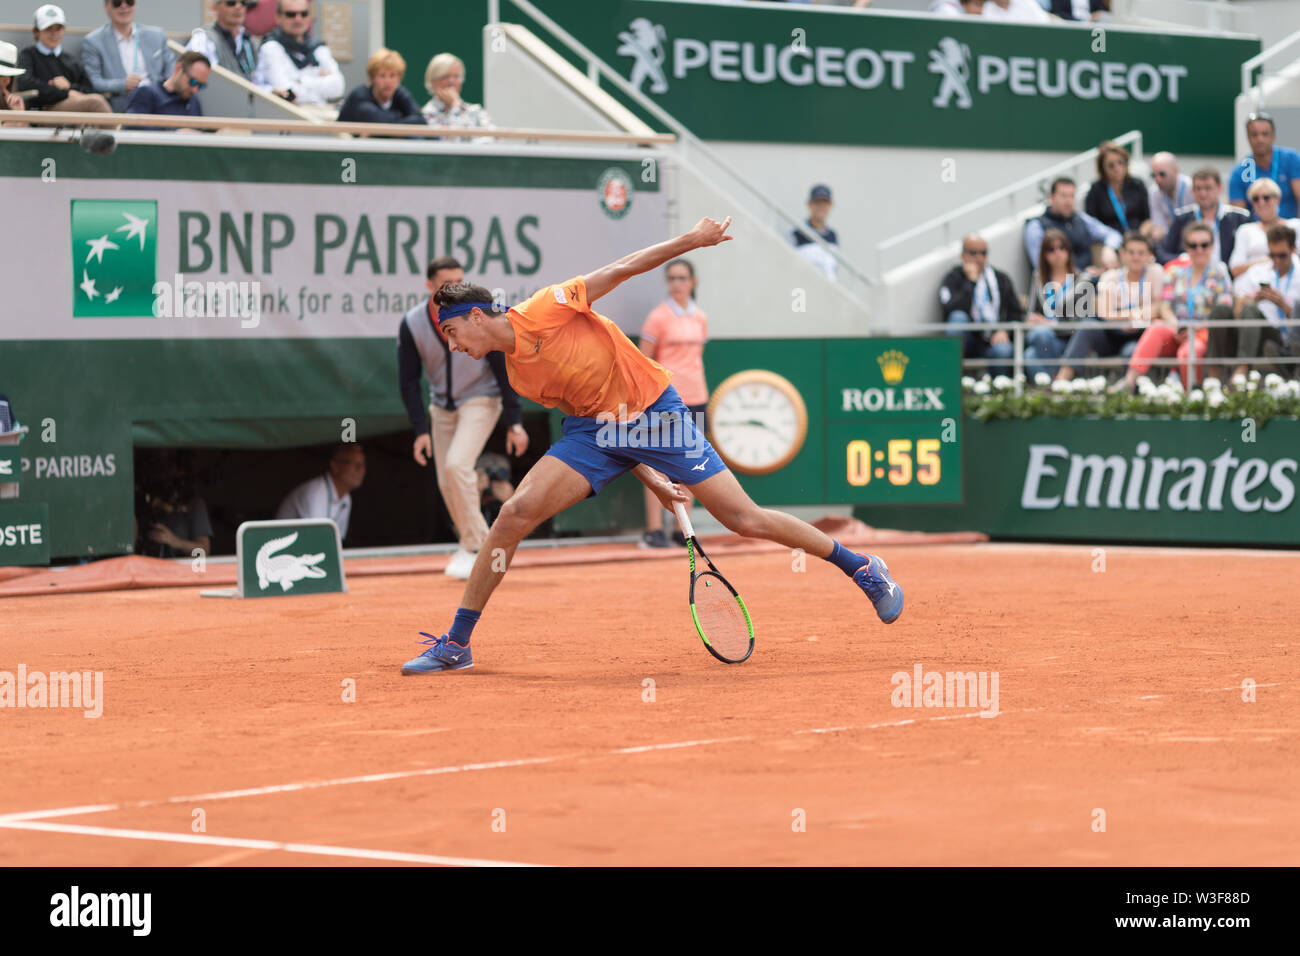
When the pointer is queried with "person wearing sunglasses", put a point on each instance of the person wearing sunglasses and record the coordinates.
(175, 95)
(1207, 207)
(1250, 248)
(57, 79)
(1195, 290)
(1170, 191)
(1116, 198)
(1268, 290)
(227, 41)
(1267, 160)
(123, 54)
(974, 291)
(292, 64)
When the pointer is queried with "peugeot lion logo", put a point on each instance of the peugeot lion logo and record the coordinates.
(952, 62)
(644, 41)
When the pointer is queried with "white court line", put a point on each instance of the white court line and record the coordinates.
(12, 819)
(1216, 690)
(1125, 549)
(314, 849)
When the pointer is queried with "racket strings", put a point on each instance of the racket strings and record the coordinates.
(721, 618)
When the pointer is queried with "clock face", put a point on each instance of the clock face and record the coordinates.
(757, 422)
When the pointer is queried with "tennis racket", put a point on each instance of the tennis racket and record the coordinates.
(719, 613)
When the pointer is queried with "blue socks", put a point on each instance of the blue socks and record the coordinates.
(846, 560)
(463, 627)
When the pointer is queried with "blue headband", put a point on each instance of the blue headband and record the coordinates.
(462, 308)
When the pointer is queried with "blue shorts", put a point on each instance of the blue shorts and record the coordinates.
(664, 437)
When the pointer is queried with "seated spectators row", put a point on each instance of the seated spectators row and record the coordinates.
(1023, 11)
(1142, 312)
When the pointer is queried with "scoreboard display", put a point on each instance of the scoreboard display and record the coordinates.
(842, 421)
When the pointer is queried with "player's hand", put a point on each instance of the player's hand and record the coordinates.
(423, 449)
(710, 232)
(516, 440)
(667, 491)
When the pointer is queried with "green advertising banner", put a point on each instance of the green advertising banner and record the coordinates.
(24, 534)
(1122, 480)
(792, 73)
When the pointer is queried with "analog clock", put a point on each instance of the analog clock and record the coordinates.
(757, 421)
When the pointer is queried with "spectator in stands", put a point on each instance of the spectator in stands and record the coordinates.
(444, 78)
(293, 65)
(976, 292)
(1127, 300)
(1078, 10)
(385, 100)
(1266, 291)
(227, 42)
(1250, 247)
(1056, 292)
(1207, 207)
(819, 208)
(1116, 199)
(957, 8)
(467, 397)
(1266, 161)
(1080, 228)
(1015, 11)
(175, 96)
(1170, 191)
(122, 54)
(329, 495)
(673, 335)
(1197, 290)
(59, 81)
(9, 68)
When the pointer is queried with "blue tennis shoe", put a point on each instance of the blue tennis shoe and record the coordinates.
(444, 655)
(873, 577)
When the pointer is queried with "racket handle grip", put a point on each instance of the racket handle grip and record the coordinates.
(683, 519)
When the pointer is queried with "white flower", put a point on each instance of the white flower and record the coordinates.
(980, 388)
(1002, 383)
(1216, 399)
(1173, 381)
(1042, 380)
(1144, 382)
(1196, 395)
(1212, 384)
(1168, 394)
(1238, 381)
(967, 381)
(985, 378)
(1061, 385)
(1019, 377)
(1254, 375)
(1097, 384)
(1273, 381)
(1080, 385)
(1145, 388)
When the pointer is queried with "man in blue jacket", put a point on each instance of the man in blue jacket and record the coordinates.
(122, 55)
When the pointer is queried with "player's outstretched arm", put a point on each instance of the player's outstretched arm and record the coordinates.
(666, 491)
(707, 232)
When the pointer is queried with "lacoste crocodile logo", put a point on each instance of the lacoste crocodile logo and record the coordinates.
(285, 569)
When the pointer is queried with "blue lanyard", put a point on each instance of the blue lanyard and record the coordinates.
(1179, 197)
(1049, 296)
(1277, 282)
(1123, 290)
(1119, 208)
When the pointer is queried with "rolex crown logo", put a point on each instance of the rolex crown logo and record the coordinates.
(892, 366)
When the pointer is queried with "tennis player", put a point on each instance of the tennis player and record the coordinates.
(561, 353)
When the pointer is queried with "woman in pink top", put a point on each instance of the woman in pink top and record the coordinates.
(674, 335)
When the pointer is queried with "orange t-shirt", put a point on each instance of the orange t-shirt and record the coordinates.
(568, 357)
(679, 345)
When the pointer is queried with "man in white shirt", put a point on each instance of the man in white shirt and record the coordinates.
(1271, 291)
(122, 54)
(1016, 11)
(329, 495)
(1170, 191)
(293, 65)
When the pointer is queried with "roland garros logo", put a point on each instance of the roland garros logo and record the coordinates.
(615, 190)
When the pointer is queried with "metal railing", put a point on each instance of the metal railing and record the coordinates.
(68, 120)
(1008, 201)
(1201, 15)
(1018, 330)
(692, 151)
(1259, 62)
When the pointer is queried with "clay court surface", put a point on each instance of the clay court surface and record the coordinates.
(1118, 690)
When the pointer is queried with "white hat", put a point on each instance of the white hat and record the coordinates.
(9, 60)
(48, 15)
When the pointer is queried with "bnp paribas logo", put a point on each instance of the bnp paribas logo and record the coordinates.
(114, 257)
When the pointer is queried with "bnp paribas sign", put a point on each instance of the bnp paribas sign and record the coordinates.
(786, 75)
